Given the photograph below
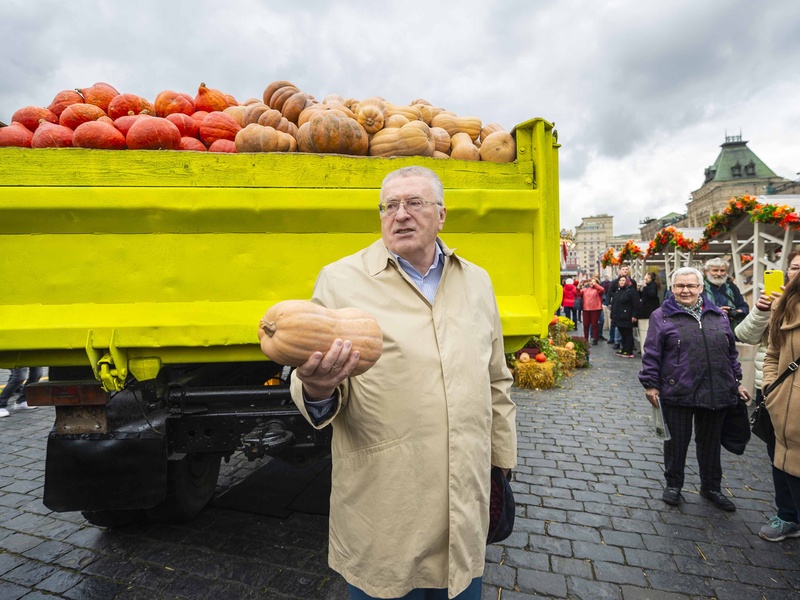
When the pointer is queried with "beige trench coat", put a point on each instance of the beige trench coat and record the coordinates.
(783, 404)
(414, 437)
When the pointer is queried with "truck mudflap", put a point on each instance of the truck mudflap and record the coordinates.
(95, 472)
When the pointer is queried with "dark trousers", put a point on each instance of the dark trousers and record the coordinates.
(571, 313)
(707, 434)
(627, 339)
(15, 379)
(591, 318)
(473, 592)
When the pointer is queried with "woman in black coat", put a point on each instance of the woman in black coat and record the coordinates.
(650, 300)
(623, 310)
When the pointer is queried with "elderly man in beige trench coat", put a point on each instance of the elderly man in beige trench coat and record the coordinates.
(414, 438)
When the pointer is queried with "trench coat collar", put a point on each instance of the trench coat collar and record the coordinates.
(379, 257)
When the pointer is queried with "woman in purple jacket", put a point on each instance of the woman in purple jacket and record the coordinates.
(690, 366)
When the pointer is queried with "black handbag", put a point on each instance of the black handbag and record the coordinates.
(736, 428)
(761, 424)
(501, 508)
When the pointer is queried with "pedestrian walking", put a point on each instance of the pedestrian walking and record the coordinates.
(649, 300)
(591, 293)
(416, 436)
(783, 404)
(754, 329)
(623, 307)
(569, 293)
(18, 379)
(690, 367)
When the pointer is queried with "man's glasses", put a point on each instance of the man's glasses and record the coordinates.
(685, 286)
(415, 205)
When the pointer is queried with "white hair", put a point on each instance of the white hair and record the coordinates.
(417, 171)
(717, 262)
(687, 271)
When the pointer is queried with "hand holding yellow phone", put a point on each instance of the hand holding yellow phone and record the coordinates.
(773, 280)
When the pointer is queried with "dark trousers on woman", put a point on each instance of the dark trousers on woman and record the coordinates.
(626, 345)
(591, 318)
(707, 435)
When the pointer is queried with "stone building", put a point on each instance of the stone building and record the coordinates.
(592, 238)
(650, 227)
(736, 172)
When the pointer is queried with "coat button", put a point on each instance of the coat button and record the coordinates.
(672, 382)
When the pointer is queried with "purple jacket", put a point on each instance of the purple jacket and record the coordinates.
(691, 364)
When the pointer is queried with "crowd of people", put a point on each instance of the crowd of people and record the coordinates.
(691, 372)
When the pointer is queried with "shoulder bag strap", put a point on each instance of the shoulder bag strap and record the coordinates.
(789, 370)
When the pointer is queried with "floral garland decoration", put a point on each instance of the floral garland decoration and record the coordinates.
(609, 259)
(670, 236)
(630, 251)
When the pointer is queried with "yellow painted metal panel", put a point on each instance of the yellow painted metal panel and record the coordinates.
(177, 255)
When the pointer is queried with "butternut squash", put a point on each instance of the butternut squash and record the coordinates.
(453, 124)
(461, 147)
(292, 330)
(412, 139)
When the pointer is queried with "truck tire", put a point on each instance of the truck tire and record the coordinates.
(191, 482)
(114, 518)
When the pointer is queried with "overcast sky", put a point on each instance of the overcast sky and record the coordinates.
(642, 93)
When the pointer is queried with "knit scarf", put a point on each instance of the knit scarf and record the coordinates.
(696, 310)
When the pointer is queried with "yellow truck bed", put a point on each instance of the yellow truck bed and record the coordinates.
(175, 256)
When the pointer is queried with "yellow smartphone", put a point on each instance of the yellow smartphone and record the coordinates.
(773, 280)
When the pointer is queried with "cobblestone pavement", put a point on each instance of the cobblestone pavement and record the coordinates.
(591, 524)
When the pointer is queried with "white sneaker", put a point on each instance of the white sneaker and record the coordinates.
(24, 406)
(3, 412)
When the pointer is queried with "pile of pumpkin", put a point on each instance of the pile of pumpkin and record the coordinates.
(283, 120)
(543, 362)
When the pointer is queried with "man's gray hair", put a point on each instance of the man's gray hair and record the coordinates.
(716, 262)
(687, 271)
(417, 171)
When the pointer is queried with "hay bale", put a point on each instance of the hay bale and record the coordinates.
(567, 357)
(534, 375)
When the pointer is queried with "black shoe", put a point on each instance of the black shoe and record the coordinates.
(610, 342)
(602, 337)
(594, 342)
(616, 346)
(719, 500)
(672, 496)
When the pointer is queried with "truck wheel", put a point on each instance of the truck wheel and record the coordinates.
(114, 518)
(191, 482)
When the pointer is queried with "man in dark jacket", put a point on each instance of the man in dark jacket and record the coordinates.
(690, 368)
(720, 290)
(615, 337)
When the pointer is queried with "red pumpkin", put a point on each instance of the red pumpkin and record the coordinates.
(554, 320)
(541, 357)
(169, 102)
(99, 135)
(123, 124)
(209, 99)
(218, 126)
(50, 135)
(76, 114)
(30, 116)
(223, 146)
(100, 94)
(126, 103)
(153, 133)
(199, 115)
(63, 99)
(185, 124)
(192, 143)
(15, 134)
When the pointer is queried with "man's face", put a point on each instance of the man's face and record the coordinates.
(409, 234)
(623, 271)
(717, 274)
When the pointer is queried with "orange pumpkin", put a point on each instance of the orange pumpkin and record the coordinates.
(218, 126)
(99, 135)
(258, 138)
(278, 92)
(295, 104)
(15, 134)
(223, 146)
(29, 116)
(63, 99)
(123, 124)
(333, 133)
(50, 135)
(185, 124)
(209, 99)
(498, 146)
(169, 102)
(293, 330)
(153, 133)
(75, 114)
(100, 94)
(124, 104)
(192, 143)
(541, 357)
